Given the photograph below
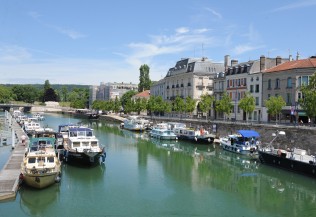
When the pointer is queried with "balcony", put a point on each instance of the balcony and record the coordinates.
(200, 84)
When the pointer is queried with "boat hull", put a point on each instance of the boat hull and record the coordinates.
(239, 149)
(82, 158)
(271, 159)
(165, 137)
(40, 180)
(198, 139)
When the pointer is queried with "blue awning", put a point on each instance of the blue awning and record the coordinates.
(249, 133)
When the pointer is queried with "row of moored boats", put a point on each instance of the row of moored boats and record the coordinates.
(245, 142)
(47, 149)
(169, 130)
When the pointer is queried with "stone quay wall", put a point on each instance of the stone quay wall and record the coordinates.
(303, 137)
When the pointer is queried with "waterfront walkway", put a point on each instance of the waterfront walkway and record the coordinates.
(9, 174)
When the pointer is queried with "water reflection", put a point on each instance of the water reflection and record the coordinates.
(178, 177)
(36, 202)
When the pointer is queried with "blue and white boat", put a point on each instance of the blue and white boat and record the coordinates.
(162, 131)
(243, 142)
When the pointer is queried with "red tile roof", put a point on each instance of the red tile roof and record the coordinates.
(295, 64)
(144, 94)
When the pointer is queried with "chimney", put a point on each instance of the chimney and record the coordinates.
(290, 57)
(277, 60)
(262, 63)
(297, 56)
(234, 62)
(226, 61)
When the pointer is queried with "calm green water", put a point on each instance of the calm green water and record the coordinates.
(150, 178)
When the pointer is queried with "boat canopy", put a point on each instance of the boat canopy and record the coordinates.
(249, 133)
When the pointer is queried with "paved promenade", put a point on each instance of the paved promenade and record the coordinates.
(9, 174)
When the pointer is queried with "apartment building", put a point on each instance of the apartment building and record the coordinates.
(247, 77)
(285, 80)
(189, 77)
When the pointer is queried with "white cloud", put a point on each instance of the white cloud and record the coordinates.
(182, 30)
(240, 49)
(215, 13)
(301, 4)
(73, 34)
(13, 53)
(199, 31)
(70, 33)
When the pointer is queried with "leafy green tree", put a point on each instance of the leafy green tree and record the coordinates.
(126, 97)
(159, 105)
(25, 93)
(116, 105)
(47, 85)
(98, 105)
(5, 94)
(167, 107)
(178, 104)
(50, 95)
(151, 104)
(129, 106)
(140, 105)
(144, 79)
(308, 102)
(224, 105)
(190, 104)
(206, 103)
(275, 105)
(247, 104)
(64, 94)
(79, 97)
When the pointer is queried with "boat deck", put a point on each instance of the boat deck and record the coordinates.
(296, 156)
(9, 174)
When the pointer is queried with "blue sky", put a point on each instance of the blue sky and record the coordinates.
(88, 42)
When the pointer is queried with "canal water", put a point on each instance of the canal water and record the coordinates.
(144, 177)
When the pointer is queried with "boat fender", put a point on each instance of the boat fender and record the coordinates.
(57, 179)
(37, 179)
(195, 138)
(247, 143)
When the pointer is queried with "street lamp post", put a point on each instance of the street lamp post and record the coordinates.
(236, 100)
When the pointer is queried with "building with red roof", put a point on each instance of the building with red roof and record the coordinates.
(285, 80)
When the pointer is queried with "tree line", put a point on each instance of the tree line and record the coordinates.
(75, 96)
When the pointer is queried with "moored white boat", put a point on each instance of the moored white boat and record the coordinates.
(243, 142)
(135, 123)
(82, 147)
(39, 116)
(196, 135)
(162, 131)
(41, 167)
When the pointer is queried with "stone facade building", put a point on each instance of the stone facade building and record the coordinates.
(247, 77)
(189, 77)
(109, 91)
(285, 80)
